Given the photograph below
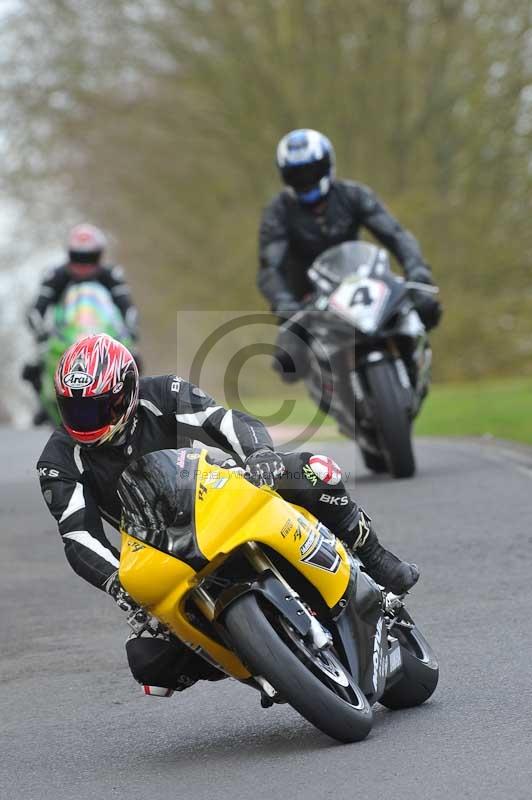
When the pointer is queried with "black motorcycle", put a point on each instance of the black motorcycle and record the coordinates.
(370, 365)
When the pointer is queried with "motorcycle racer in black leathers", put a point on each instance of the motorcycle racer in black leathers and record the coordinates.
(85, 249)
(314, 212)
(112, 419)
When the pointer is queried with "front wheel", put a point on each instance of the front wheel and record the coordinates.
(391, 418)
(376, 463)
(315, 684)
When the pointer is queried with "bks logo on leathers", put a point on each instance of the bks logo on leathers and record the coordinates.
(334, 501)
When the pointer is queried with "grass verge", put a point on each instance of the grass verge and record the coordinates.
(499, 408)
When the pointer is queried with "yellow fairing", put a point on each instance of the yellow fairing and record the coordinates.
(229, 512)
(237, 512)
(160, 583)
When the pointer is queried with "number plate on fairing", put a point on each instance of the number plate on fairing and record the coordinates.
(360, 300)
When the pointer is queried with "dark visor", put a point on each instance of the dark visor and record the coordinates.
(84, 258)
(305, 176)
(87, 414)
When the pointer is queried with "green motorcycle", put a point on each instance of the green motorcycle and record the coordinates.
(85, 309)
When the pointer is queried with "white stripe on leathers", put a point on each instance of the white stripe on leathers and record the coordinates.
(77, 458)
(76, 502)
(151, 407)
(228, 429)
(84, 538)
(198, 418)
(227, 426)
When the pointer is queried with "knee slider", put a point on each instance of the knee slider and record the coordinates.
(324, 469)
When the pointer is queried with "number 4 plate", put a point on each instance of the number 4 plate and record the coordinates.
(360, 301)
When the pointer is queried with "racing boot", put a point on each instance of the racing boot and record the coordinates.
(386, 569)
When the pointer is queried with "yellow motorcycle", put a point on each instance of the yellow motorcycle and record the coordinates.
(263, 591)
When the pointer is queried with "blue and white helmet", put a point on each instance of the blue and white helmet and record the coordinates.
(306, 162)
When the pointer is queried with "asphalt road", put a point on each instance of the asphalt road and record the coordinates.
(73, 724)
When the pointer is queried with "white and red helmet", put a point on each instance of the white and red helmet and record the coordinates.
(85, 246)
(97, 389)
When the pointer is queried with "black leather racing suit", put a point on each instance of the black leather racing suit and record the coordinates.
(292, 235)
(79, 486)
(59, 279)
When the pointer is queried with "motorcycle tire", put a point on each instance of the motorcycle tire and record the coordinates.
(420, 671)
(374, 462)
(391, 419)
(259, 636)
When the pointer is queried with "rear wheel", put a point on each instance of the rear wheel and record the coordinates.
(391, 418)
(420, 671)
(314, 683)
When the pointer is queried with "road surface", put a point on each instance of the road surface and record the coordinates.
(73, 724)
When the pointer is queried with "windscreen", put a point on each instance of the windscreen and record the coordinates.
(88, 308)
(157, 490)
(345, 259)
(157, 493)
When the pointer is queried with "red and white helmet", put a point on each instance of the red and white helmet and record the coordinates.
(86, 244)
(97, 389)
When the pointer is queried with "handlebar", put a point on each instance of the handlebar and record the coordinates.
(422, 287)
(308, 307)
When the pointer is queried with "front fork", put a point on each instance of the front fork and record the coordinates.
(423, 361)
(286, 601)
(318, 636)
(282, 597)
(353, 388)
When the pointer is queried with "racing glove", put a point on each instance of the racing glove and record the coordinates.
(428, 307)
(420, 274)
(430, 311)
(264, 468)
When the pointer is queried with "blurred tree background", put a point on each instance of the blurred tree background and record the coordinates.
(159, 119)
